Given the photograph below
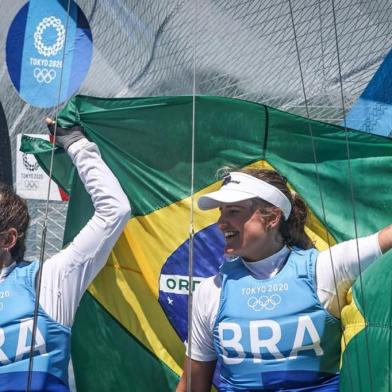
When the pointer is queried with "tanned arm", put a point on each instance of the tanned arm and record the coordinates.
(202, 373)
(385, 239)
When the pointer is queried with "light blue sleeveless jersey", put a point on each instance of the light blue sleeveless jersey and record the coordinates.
(50, 371)
(273, 334)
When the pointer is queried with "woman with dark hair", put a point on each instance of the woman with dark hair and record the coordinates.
(65, 276)
(270, 319)
(14, 220)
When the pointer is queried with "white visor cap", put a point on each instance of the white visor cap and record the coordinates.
(241, 186)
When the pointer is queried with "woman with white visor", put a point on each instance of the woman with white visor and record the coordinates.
(271, 318)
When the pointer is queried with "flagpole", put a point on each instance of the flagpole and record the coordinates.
(45, 223)
(191, 225)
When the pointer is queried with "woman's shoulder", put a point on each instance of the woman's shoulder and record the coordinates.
(209, 288)
(210, 283)
(206, 300)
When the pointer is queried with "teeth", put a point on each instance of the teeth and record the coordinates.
(229, 234)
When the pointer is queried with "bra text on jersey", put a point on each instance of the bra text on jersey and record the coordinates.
(12, 351)
(264, 337)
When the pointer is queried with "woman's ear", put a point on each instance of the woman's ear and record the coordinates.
(274, 218)
(8, 239)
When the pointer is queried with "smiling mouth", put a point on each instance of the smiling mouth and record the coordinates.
(230, 234)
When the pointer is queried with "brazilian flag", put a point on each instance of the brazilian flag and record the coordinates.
(132, 322)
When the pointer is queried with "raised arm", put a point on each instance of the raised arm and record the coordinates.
(338, 267)
(67, 274)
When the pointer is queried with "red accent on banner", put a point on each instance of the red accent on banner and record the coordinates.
(64, 195)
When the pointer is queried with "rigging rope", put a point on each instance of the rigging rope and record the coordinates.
(322, 45)
(45, 223)
(191, 222)
(316, 164)
(351, 188)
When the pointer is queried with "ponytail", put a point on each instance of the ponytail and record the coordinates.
(293, 230)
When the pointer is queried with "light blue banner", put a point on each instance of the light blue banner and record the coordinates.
(373, 110)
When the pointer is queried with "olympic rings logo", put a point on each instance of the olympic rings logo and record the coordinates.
(264, 302)
(31, 185)
(43, 75)
(30, 166)
(49, 50)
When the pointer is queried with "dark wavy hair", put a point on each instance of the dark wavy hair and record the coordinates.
(14, 214)
(292, 230)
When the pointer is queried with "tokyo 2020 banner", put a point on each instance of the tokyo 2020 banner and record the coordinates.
(48, 51)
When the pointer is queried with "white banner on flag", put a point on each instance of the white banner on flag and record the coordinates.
(31, 181)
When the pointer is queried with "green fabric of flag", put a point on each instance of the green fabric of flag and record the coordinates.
(367, 359)
(147, 142)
